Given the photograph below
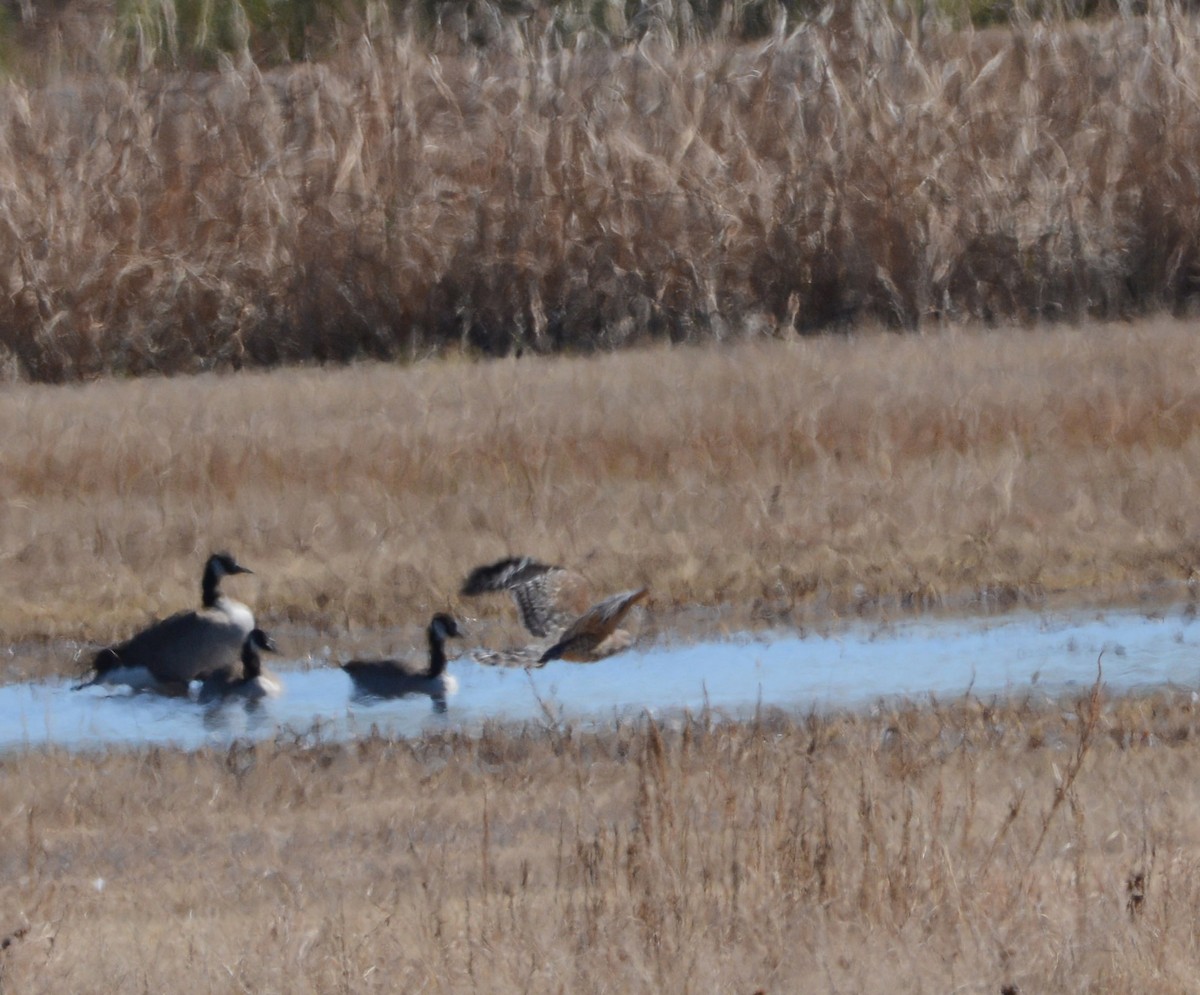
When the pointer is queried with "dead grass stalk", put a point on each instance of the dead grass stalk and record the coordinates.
(906, 850)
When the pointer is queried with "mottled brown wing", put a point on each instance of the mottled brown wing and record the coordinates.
(519, 656)
(584, 637)
(549, 598)
(503, 575)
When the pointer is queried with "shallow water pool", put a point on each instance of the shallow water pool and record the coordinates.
(851, 666)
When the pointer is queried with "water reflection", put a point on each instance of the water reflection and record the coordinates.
(362, 698)
(848, 667)
(237, 718)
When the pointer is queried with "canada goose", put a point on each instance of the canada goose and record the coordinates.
(188, 645)
(555, 604)
(248, 682)
(397, 678)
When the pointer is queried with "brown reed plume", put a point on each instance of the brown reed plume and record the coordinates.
(407, 195)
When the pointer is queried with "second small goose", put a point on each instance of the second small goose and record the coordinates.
(188, 645)
(249, 682)
(398, 678)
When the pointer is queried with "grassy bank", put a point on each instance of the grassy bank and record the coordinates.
(398, 197)
(1032, 846)
(779, 480)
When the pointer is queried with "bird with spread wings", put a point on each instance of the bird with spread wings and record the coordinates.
(555, 605)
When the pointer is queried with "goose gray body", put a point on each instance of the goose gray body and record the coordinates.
(399, 678)
(249, 681)
(187, 646)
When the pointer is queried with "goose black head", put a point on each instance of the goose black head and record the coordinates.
(223, 564)
(444, 626)
(259, 640)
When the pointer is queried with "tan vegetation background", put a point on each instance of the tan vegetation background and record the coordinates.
(411, 192)
(770, 482)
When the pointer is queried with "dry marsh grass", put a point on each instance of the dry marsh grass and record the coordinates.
(967, 846)
(771, 482)
(403, 196)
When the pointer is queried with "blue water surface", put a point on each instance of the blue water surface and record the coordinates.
(850, 667)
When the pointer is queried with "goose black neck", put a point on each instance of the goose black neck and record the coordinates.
(251, 663)
(437, 652)
(209, 586)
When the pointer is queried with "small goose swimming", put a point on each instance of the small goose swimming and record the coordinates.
(188, 645)
(398, 678)
(554, 604)
(249, 682)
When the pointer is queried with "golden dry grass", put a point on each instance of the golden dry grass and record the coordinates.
(399, 198)
(966, 846)
(776, 481)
